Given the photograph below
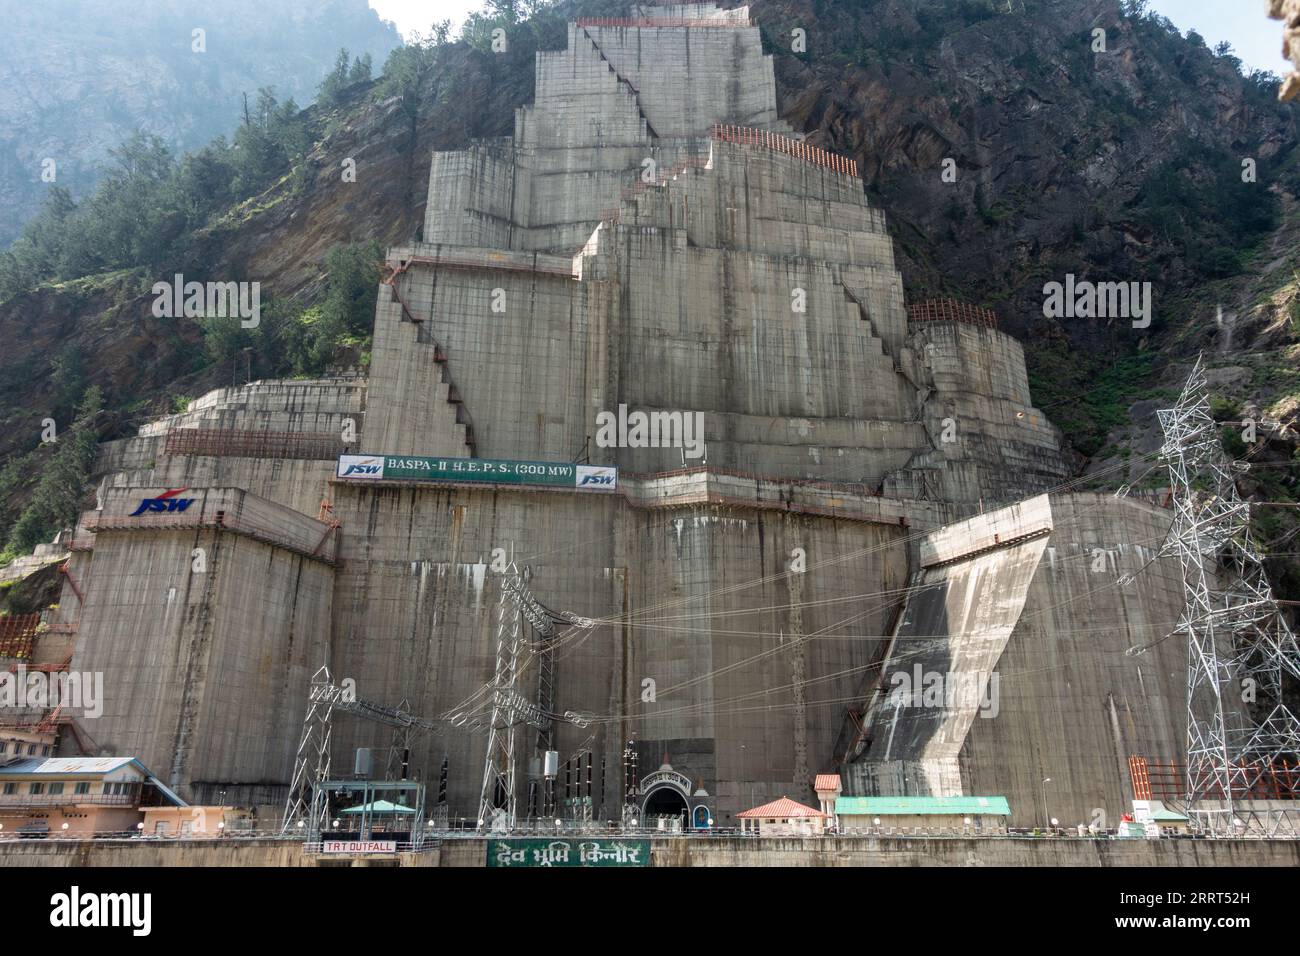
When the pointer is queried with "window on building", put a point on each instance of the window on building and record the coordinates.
(82, 787)
(56, 788)
(45, 750)
(4, 747)
(36, 788)
(11, 788)
(160, 828)
(31, 750)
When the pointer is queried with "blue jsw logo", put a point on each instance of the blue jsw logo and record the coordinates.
(167, 501)
(597, 479)
(361, 470)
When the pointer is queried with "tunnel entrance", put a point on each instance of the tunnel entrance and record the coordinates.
(666, 802)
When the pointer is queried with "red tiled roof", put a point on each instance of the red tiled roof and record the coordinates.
(782, 809)
(827, 781)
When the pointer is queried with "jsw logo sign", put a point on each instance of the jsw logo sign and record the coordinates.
(597, 478)
(167, 501)
(360, 466)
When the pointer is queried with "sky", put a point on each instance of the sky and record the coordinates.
(1256, 39)
(421, 14)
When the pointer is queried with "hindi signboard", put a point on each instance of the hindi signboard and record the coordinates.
(478, 470)
(548, 853)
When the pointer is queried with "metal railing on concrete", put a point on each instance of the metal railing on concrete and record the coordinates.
(753, 136)
(951, 310)
(650, 22)
(436, 836)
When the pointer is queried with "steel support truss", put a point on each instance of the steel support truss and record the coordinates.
(498, 799)
(1239, 644)
(307, 808)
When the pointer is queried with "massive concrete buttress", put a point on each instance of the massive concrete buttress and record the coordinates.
(651, 237)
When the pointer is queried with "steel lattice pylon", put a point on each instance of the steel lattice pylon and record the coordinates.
(305, 806)
(1238, 641)
(308, 803)
(498, 800)
(499, 764)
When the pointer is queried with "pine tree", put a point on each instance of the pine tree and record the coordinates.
(360, 72)
(56, 502)
(335, 81)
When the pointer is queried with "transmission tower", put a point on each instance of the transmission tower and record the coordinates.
(499, 764)
(308, 803)
(312, 765)
(498, 798)
(1239, 645)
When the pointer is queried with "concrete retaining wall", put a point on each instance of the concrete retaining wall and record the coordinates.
(712, 852)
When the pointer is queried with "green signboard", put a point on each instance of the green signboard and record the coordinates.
(529, 853)
(480, 470)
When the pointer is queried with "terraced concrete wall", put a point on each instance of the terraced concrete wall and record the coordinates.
(524, 374)
(204, 668)
(1037, 603)
(690, 78)
(750, 665)
(471, 196)
(986, 441)
(296, 484)
(326, 406)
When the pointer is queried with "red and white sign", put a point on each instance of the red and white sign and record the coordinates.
(359, 846)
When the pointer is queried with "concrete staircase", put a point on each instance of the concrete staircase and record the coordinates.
(627, 84)
(447, 390)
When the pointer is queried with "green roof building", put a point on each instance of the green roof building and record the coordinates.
(927, 813)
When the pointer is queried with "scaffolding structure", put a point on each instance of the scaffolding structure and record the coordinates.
(247, 443)
(18, 635)
(1239, 644)
(951, 310)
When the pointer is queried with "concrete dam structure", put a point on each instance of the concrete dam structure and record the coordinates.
(873, 492)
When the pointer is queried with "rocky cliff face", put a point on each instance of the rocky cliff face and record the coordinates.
(77, 77)
(1112, 166)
